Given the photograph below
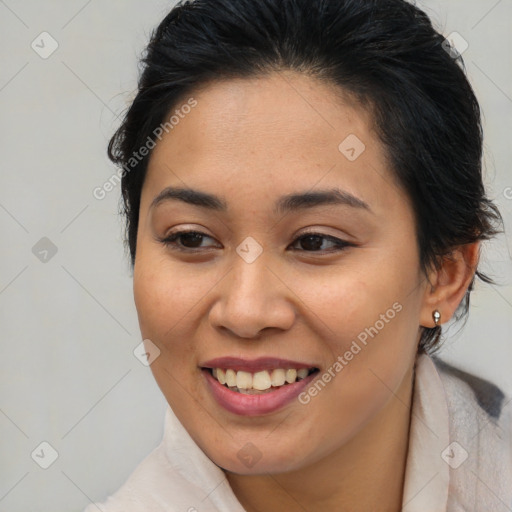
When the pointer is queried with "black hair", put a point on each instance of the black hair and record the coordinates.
(384, 53)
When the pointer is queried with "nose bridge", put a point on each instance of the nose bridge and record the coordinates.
(250, 281)
(252, 298)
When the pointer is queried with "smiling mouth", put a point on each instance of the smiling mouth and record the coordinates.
(261, 382)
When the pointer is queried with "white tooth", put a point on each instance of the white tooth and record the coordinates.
(261, 381)
(291, 376)
(243, 380)
(278, 377)
(221, 375)
(230, 378)
(302, 373)
(214, 373)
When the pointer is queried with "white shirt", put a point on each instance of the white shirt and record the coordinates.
(459, 459)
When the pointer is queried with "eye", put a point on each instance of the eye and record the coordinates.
(310, 242)
(190, 240)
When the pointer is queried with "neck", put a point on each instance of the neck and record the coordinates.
(365, 474)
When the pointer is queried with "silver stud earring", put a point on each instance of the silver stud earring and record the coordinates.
(436, 316)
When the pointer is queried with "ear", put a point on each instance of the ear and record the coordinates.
(449, 283)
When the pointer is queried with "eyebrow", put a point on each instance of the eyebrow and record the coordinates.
(287, 203)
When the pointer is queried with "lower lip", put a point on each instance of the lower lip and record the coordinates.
(255, 405)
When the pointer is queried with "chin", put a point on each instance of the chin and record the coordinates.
(247, 458)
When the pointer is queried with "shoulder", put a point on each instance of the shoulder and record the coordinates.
(175, 477)
(467, 391)
(480, 428)
(154, 485)
(480, 431)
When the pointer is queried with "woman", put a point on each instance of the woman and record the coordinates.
(304, 202)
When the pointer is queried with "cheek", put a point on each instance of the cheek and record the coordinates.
(347, 300)
(369, 317)
(164, 304)
(164, 297)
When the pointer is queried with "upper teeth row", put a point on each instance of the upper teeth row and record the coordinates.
(260, 380)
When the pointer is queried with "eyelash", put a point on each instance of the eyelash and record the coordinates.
(170, 241)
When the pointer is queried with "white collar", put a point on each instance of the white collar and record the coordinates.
(427, 475)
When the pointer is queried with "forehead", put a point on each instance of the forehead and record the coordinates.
(275, 134)
(276, 112)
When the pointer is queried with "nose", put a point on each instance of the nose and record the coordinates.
(252, 297)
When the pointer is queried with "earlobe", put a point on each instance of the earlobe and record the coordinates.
(448, 284)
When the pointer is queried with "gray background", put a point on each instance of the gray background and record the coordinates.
(69, 327)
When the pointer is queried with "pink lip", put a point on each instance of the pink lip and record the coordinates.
(255, 405)
(255, 365)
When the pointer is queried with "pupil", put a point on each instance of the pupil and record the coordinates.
(313, 239)
(194, 237)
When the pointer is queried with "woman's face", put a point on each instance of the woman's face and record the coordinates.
(276, 159)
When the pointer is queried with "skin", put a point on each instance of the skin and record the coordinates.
(250, 141)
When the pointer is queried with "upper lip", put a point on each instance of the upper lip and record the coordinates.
(254, 365)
